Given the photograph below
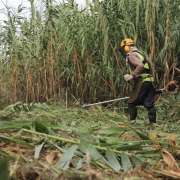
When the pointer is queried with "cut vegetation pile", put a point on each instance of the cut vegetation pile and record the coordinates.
(41, 141)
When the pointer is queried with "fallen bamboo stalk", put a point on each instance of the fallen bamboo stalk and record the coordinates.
(72, 141)
(14, 140)
(51, 136)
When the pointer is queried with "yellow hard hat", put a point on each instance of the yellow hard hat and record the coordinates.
(127, 42)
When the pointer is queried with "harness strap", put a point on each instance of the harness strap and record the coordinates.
(146, 75)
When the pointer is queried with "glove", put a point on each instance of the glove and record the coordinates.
(128, 77)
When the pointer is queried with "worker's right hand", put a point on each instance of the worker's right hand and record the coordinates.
(128, 77)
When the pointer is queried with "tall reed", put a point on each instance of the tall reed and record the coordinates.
(68, 52)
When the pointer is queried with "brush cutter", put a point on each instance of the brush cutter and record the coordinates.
(170, 87)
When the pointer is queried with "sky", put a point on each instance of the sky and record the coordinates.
(25, 3)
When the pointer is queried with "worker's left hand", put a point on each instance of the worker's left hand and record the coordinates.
(128, 77)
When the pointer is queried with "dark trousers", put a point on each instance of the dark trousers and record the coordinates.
(145, 97)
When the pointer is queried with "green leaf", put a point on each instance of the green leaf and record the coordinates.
(67, 157)
(136, 161)
(79, 164)
(14, 140)
(178, 97)
(112, 161)
(112, 131)
(129, 145)
(40, 106)
(126, 163)
(112, 140)
(4, 169)
(142, 135)
(39, 127)
(38, 150)
(93, 152)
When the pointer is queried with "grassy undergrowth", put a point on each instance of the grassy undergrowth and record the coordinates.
(50, 141)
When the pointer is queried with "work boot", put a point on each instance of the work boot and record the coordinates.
(152, 115)
(132, 110)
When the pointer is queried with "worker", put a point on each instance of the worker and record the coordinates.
(140, 76)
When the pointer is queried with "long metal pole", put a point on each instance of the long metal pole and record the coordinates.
(103, 102)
